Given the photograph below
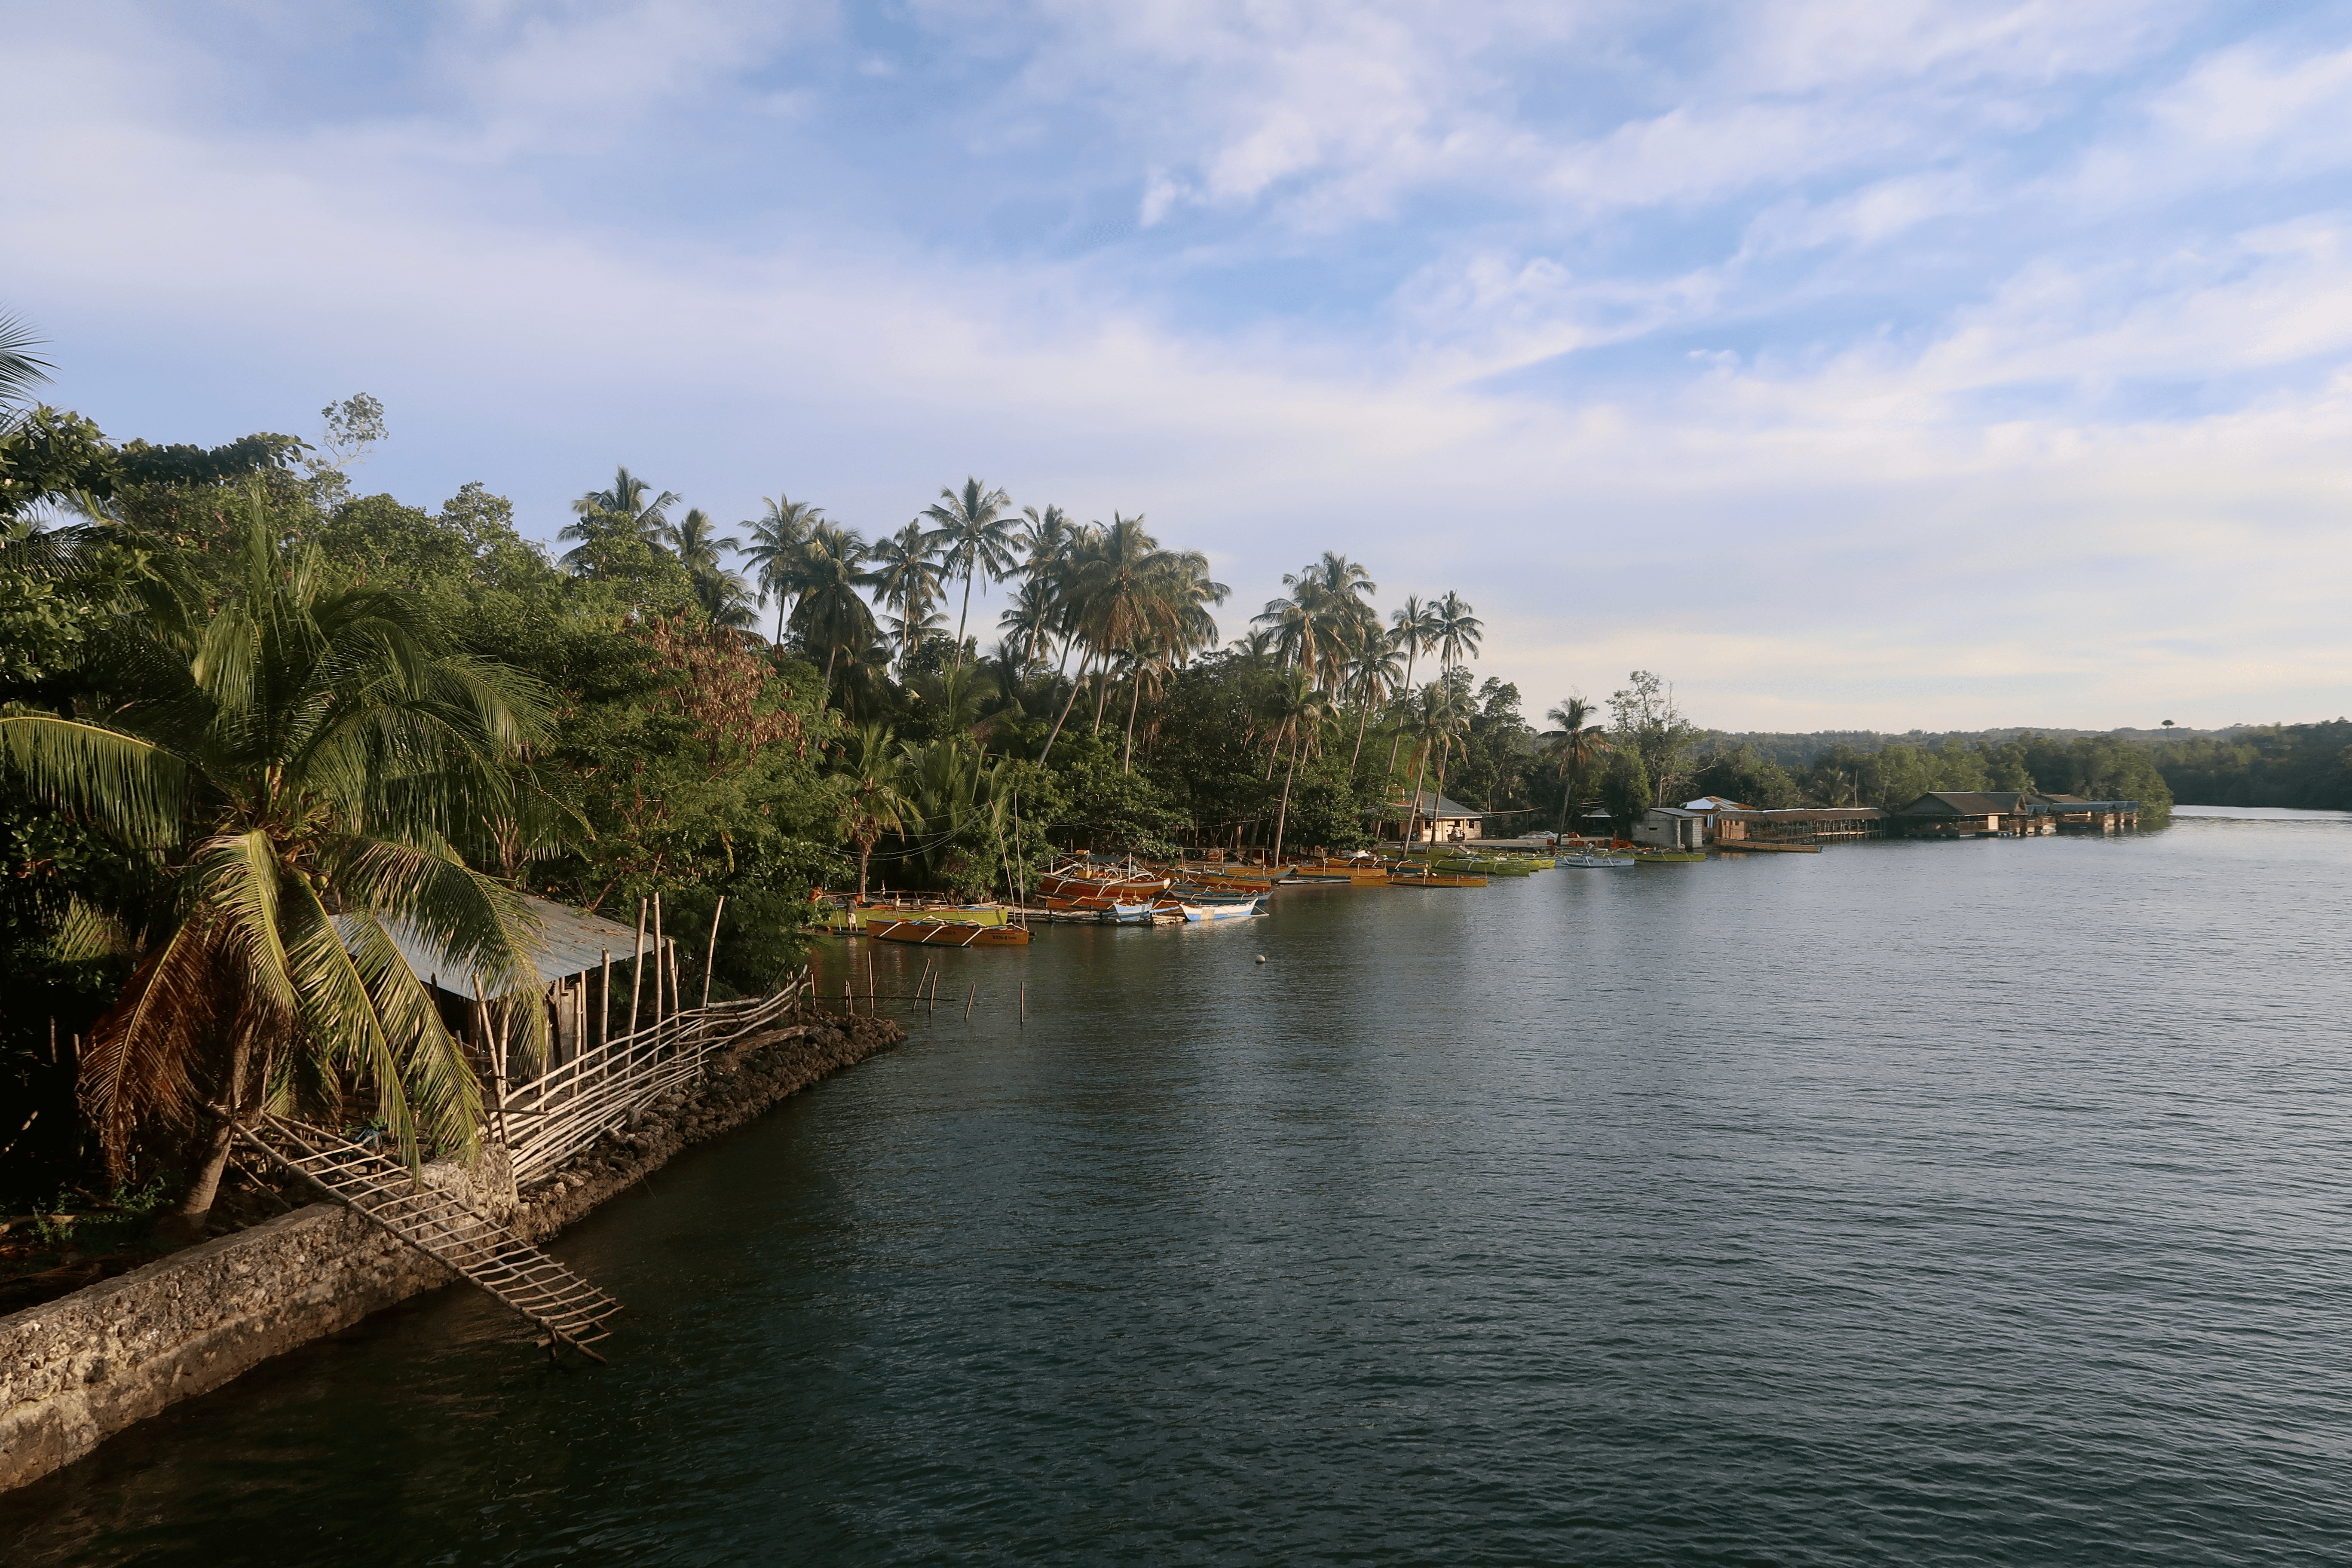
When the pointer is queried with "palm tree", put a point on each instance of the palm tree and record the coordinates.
(828, 611)
(973, 532)
(1458, 631)
(778, 537)
(1295, 704)
(1121, 590)
(1374, 674)
(906, 577)
(1576, 743)
(303, 763)
(627, 507)
(21, 370)
(873, 782)
(1413, 627)
(1029, 624)
(1435, 715)
(723, 594)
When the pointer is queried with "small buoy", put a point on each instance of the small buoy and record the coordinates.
(1261, 958)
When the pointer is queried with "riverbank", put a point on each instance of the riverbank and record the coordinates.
(78, 1369)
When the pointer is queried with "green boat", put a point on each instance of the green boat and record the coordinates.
(1666, 857)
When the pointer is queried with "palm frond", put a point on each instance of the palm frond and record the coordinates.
(128, 787)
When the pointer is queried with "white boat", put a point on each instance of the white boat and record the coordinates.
(1131, 914)
(1199, 912)
(1590, 861)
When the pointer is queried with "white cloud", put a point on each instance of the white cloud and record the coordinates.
(1817, 523)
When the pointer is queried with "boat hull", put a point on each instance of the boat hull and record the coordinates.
(948, 933)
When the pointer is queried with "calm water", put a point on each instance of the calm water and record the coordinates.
(1958, 1203)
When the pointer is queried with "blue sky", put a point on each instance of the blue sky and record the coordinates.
(1851, 364)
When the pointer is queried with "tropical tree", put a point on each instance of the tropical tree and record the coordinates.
(1435, 716)
(974, 532)
(906, 578)
(828, 611)
(1457, 631)
(304, 764)
(625, 510)
(21, 370)
(779, 535)
(1122, 590)
(721, 592)
(874, 783)
(1577, 745)
(1646, 720)
(1296, 705)
(1375, 674)
(1412, 630)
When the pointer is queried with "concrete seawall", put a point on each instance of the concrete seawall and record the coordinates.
(75, 1371)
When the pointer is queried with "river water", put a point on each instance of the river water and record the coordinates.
(1967, 1203)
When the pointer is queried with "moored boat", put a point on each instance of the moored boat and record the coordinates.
(946, 933)
(1090, 883)
(1592, 860)
(1407, 877)
(1196, 913)
(1666, 857)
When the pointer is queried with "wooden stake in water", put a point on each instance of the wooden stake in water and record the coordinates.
(1024, 1004)
(969, 1000)
(711, 955)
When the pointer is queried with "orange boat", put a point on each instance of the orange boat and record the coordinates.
(1232, 879)
(1090, 884)
(946, 933)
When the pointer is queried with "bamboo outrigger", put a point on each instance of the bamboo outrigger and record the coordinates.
(946, 933)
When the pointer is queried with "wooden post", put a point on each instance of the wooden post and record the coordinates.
(1024, 1004)
(869, 982)
(637, 967)
(660, 959)
(969, 1000)
(711, 955)
(848, 997)
(604, 1006)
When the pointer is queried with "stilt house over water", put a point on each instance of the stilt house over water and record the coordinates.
(2011, 813)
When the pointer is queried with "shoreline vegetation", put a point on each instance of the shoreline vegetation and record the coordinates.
(254, 722)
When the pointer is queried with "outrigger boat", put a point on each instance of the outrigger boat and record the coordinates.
(946, 933)
(1232, 880)
(1359, 871)
(1666, 857)
(1592, 860)
(1424, 877)
(1091, 882)
(848, 914)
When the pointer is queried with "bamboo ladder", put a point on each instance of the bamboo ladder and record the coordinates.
(568, 1309)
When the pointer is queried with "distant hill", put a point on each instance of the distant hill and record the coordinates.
(1799, 751)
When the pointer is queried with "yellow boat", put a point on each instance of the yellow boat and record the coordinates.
(948, 933)
(857, 917)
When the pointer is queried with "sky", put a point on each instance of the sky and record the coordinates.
(1850, 365)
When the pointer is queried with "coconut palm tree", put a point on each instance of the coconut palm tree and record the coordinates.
(1577, 744)
(21, 370)
(721, 592)
(1375, 673)
(1434, 716)
(1120, 588)
(1295, 705)
(973, 529)
(906, 578)
(1413, 628)
(778, 537)
(1029, 625)
(874, 783)
(303, 763)
(828, 611)
(1458, 631)
(626, 506)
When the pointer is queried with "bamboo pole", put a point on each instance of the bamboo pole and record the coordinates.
(659, 955)
(604, 1008)
(969, 1000)
(1024, 1004)
(637, 968)
(710, 956)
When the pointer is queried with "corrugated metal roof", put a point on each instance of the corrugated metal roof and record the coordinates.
(571, 941)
